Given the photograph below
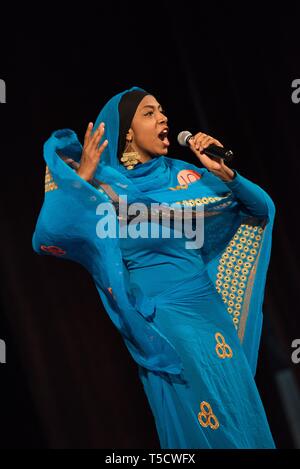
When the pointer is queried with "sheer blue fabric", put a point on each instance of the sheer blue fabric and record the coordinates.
(172, 305)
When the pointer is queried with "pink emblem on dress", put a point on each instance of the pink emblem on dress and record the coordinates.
(186, 176)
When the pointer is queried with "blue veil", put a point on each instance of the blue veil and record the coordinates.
(66, 228)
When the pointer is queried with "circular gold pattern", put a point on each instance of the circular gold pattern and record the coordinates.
(206, 417)
(223, 350)
(198, 200)
(244, 247)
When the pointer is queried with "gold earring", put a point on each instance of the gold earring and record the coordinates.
(130, 158)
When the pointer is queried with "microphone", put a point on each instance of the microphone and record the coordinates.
(212, 150)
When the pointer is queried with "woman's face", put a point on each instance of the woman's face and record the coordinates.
(149, 129)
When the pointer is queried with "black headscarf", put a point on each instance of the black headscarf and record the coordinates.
(127, 107)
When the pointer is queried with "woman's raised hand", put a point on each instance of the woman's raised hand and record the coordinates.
(91, 152)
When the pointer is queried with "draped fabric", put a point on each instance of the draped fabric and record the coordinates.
(229, 268)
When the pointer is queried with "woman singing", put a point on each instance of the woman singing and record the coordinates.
(187, 302)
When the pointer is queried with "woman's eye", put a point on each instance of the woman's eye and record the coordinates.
(162, 111)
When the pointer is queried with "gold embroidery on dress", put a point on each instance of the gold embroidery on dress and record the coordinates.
(176, 188)
(236, 272)
(222, 348)
(50, 185)
(206, 417)
(201, 200)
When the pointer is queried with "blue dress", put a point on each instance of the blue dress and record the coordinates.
(190, 317)
(214, 402)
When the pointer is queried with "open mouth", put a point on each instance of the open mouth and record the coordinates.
(163, 136)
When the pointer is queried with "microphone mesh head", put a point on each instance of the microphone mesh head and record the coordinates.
(182, 137)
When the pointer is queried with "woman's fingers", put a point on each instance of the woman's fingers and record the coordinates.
(87, 135)
(199, 143)
(206, 142)
(219, 144)
(102, 147)
(91, 151)
(96, 147)
(98, 134)
(202, 141)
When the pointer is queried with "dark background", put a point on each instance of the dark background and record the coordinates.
(69, 381)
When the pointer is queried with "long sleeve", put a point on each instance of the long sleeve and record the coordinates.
(253, 198)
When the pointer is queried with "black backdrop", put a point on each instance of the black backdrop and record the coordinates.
(68, 380)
